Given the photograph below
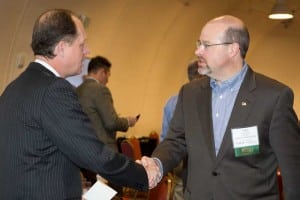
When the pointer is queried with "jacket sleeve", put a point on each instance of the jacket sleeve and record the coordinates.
(285, 141)
(70, 131)
(105, 108)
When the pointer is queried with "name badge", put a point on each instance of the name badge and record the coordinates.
(245, 141)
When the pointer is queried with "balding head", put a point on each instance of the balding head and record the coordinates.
(232, 29)
(228, 20)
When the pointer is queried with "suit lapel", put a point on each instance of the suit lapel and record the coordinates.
(240, 112)
(205, 115)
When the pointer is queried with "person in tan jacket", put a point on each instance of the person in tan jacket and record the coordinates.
(97, 102)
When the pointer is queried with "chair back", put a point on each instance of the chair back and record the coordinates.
(136, 147)
(127, 149)
(162, 191)
(154, 135)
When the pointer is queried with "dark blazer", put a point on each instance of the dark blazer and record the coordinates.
(45, 138)
(97, 103)
(261, 102)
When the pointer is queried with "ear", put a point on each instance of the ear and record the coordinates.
(60, 48)
(234, 49)
(101, 71)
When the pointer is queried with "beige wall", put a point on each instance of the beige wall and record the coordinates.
(150, 42)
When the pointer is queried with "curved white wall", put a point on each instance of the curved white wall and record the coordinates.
(150, 43)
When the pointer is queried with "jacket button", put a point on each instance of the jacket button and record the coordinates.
(214, 173)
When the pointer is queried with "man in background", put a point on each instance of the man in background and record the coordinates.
(179, 172)
(45, 136)
(97, 102)
(192, 74)
(236, 126)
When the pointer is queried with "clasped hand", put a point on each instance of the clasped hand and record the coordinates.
(152, 169)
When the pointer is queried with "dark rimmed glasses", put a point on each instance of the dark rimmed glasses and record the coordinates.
(199, 44)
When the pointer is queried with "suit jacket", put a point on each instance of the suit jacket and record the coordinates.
(46, 138)
(97, 103)
(260, 102)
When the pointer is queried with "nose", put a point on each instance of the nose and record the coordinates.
(199, 51)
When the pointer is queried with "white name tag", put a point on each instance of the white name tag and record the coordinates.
(245, 141)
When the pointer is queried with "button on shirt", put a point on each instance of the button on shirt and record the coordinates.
(223, 98)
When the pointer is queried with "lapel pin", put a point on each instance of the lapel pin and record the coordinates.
(244, 103)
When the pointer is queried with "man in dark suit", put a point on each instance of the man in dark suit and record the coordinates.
(45, 136)
(236, 126)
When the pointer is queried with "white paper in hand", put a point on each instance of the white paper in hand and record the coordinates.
(99, 191)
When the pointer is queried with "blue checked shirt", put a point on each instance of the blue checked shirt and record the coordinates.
(223, 98)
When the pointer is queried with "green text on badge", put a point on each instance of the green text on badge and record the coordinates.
(245, 141)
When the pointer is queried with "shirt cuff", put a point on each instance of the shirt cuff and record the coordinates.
(159, 164)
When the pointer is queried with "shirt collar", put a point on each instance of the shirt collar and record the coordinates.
(231, 83)
(91, 78)
(46, 65)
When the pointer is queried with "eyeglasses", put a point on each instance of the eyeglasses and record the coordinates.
(199, 44)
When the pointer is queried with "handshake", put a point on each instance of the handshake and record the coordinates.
(152, 167)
